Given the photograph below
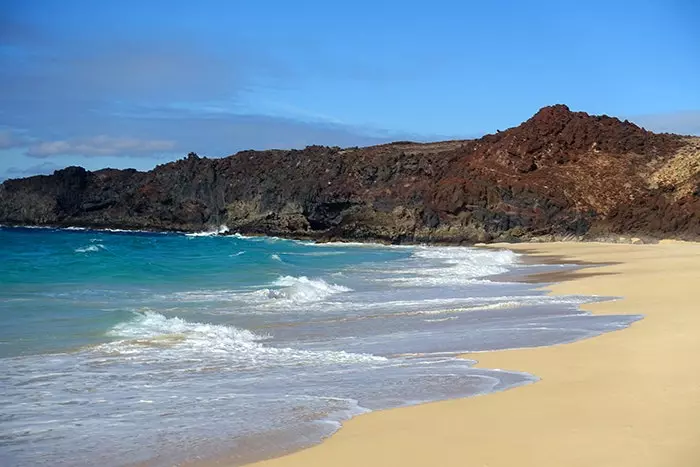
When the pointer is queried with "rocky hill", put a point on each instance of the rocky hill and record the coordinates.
(560, 174)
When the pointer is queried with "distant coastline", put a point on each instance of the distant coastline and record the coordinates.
(561, 175)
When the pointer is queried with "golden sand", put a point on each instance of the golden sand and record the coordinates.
(626, 398)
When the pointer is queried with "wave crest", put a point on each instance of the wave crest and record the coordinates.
(153, 336)
(222, 230)
(457, 265)
(89, 248)
(303, 290)
(152, 325)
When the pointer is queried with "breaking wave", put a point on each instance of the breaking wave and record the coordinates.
(455, 265)
(89, 248)
(153, 336)
(222, 230)
(286, 291)
(303, 290)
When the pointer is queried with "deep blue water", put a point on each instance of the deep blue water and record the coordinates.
(117, 348)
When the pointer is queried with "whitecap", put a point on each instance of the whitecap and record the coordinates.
(304, 290)
(441, 266)
(89, 248)
(221, 230)
(152, 336)
(439, 320)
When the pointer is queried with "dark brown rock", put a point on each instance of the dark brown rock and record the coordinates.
(560, 174)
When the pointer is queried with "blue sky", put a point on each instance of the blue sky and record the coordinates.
(137, 83)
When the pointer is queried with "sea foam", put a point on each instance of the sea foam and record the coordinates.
(285, 292)
(303, 290)
(89, 248)
(442, 266)
(152, 336)
(217, 348)
(221, 230)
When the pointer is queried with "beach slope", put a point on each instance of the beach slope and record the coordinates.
(627, 398)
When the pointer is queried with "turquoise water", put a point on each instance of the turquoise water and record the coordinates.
(63, 289)
(117, 348)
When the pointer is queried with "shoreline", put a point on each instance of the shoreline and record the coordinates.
(644, 270)
(322, 237)
(626, 398)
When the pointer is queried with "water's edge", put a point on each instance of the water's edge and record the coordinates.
(422, 312)
(327, 238)
(531, 277)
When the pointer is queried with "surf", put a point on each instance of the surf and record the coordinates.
(213, 331)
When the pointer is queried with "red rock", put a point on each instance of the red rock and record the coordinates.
(560, 173)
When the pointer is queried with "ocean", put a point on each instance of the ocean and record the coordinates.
(120, 348)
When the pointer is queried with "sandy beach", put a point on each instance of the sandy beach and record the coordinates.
(626, 398)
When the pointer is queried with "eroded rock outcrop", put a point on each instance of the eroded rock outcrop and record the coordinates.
(561, 174)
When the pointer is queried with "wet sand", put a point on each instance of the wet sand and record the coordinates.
(626, 398)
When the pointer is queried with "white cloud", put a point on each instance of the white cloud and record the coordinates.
(11, 139)
(99, 146)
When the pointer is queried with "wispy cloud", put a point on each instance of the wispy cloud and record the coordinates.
(100, 146)
(12, 139)
(147, 97)
(135, 95)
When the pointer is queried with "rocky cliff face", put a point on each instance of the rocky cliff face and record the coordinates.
(559, 174)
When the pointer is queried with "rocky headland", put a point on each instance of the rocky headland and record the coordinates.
(559, 175)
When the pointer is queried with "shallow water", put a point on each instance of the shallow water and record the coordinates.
(117, 348)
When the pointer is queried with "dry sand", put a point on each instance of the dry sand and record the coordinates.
(626, 398)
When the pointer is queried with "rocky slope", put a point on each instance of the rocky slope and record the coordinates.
(560, 174)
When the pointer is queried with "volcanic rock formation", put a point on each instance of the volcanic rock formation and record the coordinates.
(560, 174)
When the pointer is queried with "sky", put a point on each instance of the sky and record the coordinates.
(138, 83)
